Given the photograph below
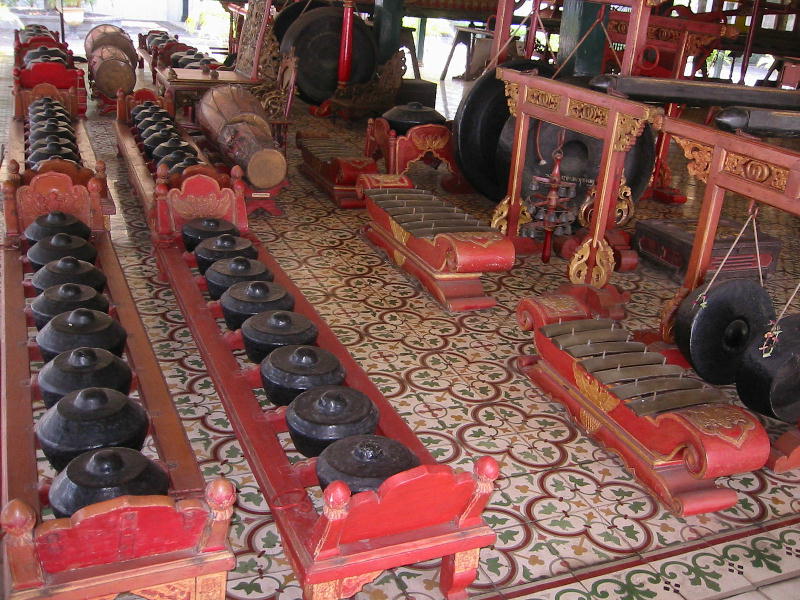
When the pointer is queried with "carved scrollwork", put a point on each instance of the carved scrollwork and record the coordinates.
(544, 99)
(500, 216)
(624, 209)
(512, 96)
(699, 156)
(757, 171)
(600, 271)
(627, 129)
(586, 111)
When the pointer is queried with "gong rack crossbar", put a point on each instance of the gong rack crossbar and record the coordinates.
(616, 121)
(63, 558)
(357, 537)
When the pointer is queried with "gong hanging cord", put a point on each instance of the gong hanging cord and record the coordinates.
(701, 299)
(771, 337)
(758, 250)
(493, 62)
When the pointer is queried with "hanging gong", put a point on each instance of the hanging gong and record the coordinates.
(289, 14)
(315, 39)
(714, 334)
(580, 162)
(770, 385)
(477, 125)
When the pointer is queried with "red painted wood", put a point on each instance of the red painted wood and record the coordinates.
(673, 454)
(313, 543)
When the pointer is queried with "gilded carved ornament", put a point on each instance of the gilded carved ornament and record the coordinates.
(600, 271)
(586, 111)
(699, 156)
(757, 171)
(512, 94)
(547, 100)
(500, 216)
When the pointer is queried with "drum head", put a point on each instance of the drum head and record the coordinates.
(315, 39)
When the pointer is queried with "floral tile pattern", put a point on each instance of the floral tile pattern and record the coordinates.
(572, 523)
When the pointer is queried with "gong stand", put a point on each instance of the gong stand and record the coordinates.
(615, 121)
(149, 545)
(732, 163)
(423, 513)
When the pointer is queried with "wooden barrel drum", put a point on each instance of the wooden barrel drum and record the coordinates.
(235, 120)
(110, 35)
(111, 71)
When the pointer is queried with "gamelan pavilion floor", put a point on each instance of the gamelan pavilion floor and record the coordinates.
(571, 521)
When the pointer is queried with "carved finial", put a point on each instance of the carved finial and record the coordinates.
(17, 521)
(120, 94)
(487, 470)
(214, 74)
(100, 169)
(13, 167)
(221, 496)
(237, 172)
(336, 496)
(162, 173)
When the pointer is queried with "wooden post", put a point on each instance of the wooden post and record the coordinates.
(346, 44)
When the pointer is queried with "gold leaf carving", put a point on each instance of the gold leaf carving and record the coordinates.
(512, 96)
(586, 111)
(544, 99)
(699, 156)
(593, 390)
(589, 422)
(627, 129)
(757, 171)
(720, 420)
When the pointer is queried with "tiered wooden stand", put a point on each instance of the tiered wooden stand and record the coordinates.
(426, 512)
(154, 546)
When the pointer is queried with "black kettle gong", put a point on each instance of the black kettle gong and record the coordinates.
(405, 116)
(291, 370)
(82, 368)
(272, 329)
(105, 474)
(63, 298)
(247, 298)
(363, 462)
(87, 419)
(68, 270)
(222, 246)
(226, 272)
(56, 222)
(58, 246)
(320, 416)
(195, 231)
(78, 328)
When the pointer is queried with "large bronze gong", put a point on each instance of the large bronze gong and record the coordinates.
(315, 38)
(484, 135)
(289, 14)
